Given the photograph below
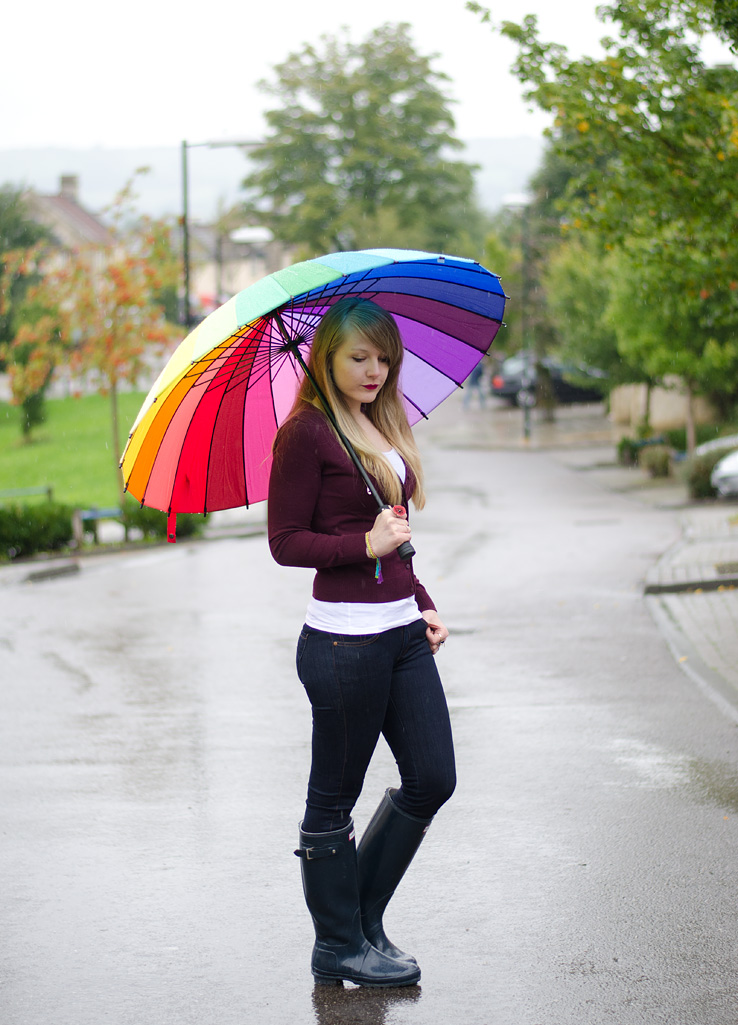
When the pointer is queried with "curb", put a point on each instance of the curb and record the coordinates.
(60, 569)
(711, 583)
(688, 658)
(36, 571)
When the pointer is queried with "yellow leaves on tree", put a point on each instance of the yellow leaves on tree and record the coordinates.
(93, 310)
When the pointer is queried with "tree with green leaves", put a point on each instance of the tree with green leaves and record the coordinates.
(358, 151)
(18, 233)
(674, 337)
(524, 236)
(653, 135)
(580, 282)
(725, 20)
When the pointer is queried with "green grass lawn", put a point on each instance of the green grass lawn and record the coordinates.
(71, 451)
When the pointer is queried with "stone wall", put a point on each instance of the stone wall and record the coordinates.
(668, 407)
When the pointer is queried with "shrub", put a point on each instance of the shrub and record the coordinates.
(27, 529)
(190, 525)
(628, 449)
(656, 460)
(677, 436)
(697, 470)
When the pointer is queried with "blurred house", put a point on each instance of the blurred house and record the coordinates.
(71, 224)
(222, 261)
(225, 262)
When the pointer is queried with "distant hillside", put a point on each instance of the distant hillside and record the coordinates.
(215, 175)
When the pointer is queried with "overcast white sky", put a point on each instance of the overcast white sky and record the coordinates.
(82, 73)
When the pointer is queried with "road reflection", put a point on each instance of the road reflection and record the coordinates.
(357, 1005)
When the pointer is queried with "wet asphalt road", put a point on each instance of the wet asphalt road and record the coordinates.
(154, 746)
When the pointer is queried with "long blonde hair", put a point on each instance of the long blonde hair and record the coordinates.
(386, 412)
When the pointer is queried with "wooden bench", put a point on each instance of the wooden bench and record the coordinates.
(80, 517)
(41, 489)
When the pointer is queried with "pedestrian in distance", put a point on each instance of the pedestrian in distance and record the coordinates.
(365, 655)
(475, 384)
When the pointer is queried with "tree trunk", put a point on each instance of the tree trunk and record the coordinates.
(647, 409)
(545, 393)
(691, 431)
(116, 438)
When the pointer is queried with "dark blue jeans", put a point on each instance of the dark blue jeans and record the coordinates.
(360, 687)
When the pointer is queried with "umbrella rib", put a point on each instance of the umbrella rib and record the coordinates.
(449, 377)
(416, 406)
(242, 440)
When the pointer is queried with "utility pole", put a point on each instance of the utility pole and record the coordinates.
(526, 397)
(186, 146)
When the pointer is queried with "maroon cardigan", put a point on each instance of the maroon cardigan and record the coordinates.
(319, 512)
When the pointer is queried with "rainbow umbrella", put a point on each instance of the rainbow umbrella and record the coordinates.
(203, 437)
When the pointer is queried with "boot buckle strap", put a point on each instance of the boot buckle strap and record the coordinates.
(314, 853)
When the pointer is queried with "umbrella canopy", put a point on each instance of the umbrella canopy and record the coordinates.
(203, 437)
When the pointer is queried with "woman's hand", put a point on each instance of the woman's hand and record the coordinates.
(389, 531)
(436, 632)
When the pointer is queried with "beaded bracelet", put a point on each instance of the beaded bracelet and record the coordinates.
(373, 555)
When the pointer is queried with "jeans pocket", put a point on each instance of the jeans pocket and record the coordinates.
(354, 641)
(301, 646)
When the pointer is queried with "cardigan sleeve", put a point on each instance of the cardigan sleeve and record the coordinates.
(294, 488)
(422, 597)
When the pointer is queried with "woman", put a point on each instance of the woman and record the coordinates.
(365, 654)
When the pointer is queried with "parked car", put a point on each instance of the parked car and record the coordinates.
(728, 441)
(724, 476)
(516, 381)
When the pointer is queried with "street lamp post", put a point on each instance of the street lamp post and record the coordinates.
(240, 144)
(520, 202)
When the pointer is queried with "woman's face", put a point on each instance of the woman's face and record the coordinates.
(359, 370)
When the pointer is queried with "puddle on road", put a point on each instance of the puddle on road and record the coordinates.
(650, 766)
(653, 767)
(716, 783)
(355, 1005)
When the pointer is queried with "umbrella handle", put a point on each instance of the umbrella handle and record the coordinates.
(406, 550)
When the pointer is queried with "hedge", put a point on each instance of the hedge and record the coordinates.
(47, 527)
(27, 529)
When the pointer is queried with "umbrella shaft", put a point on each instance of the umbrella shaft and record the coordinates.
(405, 550)
(329, 413)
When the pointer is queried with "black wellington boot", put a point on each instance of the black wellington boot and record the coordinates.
(331, 882)
(386, 849)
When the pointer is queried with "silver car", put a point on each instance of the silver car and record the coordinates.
(724, 477)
